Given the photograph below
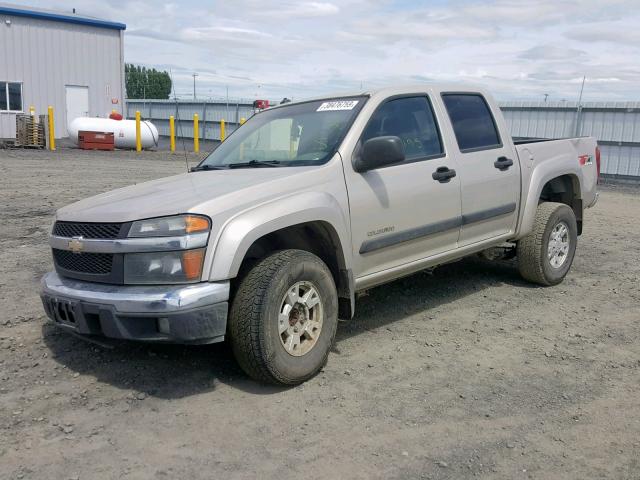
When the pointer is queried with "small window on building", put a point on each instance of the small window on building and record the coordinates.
(14, 93)
(472, 122)
(3, 96)
(11, 96)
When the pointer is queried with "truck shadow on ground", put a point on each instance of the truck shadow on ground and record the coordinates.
(425, 291)
(175, 371)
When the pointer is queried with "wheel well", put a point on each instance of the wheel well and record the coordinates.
(565, 189)
(319, 238)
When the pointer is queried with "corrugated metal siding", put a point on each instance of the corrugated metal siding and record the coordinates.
(47, 55)
(616, 125)
(210, 113)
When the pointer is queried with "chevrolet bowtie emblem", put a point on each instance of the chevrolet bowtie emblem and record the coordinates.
(76, 245)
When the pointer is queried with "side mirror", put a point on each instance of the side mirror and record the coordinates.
(379, 152)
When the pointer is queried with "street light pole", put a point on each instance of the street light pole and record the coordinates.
(194, 85)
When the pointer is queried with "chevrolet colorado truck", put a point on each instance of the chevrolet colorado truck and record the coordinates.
(267, 241)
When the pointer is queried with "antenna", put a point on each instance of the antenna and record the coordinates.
(175, 99)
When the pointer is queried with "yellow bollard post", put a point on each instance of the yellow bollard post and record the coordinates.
(32, 110)
(242, 120)
(172, 134)
(52, 130)
(223, 132)
(196, 134)
(138, 136)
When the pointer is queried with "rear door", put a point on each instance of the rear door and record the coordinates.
(401, 213)
(488, 168)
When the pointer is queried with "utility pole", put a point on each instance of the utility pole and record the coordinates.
(194, 75)
(579, 109)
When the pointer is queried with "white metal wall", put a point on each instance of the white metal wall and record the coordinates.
(209, 113)
(616, 125)
(46, 55)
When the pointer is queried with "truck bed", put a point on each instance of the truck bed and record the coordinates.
(549, 157)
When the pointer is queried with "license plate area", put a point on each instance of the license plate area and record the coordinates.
(62, 311)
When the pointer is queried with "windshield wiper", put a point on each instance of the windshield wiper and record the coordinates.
(208, 167)
(255, 164)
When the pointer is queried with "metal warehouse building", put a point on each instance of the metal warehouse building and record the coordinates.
(71, 62)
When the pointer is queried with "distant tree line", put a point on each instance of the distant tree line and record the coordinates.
(142, 82)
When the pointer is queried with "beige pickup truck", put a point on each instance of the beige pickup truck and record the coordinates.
(267, 241)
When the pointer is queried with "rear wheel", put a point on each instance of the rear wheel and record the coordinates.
(284, 317)
(546, 254)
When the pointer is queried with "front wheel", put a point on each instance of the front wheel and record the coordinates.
(283, 318)
(546, 254)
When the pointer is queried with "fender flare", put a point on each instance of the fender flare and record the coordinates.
(540, 177)
(240, 231)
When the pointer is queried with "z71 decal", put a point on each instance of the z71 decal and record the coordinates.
(585, 159)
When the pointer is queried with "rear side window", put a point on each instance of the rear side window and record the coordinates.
(472, 121)
(411, 119)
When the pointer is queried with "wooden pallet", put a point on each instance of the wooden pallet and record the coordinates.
(30, 131)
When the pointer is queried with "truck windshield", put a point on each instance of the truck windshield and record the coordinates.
(294, 135)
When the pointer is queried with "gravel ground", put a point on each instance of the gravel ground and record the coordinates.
(467, 372)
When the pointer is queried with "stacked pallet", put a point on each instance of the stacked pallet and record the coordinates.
(30, 131)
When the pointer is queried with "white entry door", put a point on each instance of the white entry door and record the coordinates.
(77, 102)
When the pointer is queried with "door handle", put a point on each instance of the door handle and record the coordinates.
(443, 174)
(503, 163)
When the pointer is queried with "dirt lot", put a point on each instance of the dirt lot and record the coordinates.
(469, 372)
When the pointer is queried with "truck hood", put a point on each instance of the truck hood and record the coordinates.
(184, 193)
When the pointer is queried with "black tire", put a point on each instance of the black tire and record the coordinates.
(532, 251)
(253, 319)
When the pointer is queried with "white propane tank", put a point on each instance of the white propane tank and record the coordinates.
(124, 131)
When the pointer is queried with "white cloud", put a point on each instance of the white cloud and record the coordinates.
(299, 48)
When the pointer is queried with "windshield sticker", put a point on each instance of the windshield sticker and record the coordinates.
(337, 105)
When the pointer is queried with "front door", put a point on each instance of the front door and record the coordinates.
(400, 213)
(77, 99)
(488, 167)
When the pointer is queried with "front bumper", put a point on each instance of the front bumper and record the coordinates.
(195, 313)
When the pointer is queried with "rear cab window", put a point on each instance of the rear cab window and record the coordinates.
(472, 121)
(410, 118)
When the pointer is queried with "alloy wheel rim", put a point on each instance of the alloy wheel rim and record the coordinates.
(559, 243)
(300, 318)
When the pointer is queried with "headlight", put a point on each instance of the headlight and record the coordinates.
(167, 267)
(163, 267)
(170, 226)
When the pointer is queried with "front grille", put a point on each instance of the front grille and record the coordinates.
(87, 230)
(92, 263)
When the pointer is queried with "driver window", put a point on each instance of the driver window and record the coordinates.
(411, 119)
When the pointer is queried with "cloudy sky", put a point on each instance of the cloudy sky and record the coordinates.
(258, 48)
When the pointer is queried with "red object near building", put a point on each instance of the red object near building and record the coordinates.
(95, 140)
(115, 116)
(261, 104)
